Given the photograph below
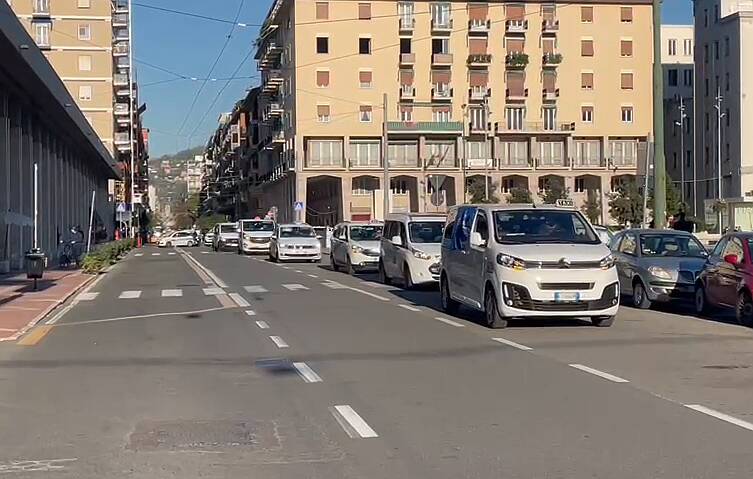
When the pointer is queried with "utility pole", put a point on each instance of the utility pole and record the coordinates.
(488, 135)
(660, 167)
(681, 124)
(719, 116)
(131, 112)
(385, 159)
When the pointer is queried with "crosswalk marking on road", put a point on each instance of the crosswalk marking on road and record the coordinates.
(255, 289)
(171, 254)
(205, 252)
(294, 287)
(279, 342)
(308, 374)
(156, 254)
(213, 291)
(139, 254)
(251, 312)
(87, 296)
(239, 300)
(172, 293)
(262, 324)
(130, 295)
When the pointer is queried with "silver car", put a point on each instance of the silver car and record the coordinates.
(296, 241)
(355, 246)
(657, 265)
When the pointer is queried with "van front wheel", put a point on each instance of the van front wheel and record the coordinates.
(449, 305)
(493, 319)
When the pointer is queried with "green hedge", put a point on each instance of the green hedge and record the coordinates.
(105, 255)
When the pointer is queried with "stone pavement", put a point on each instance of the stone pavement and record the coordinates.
(21, 307)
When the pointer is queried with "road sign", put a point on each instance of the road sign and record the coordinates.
(298, 205)
(121, 208)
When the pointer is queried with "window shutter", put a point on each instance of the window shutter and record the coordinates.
(364, 77)
(322, 110)
(548, 45)
(478, 11)
(322, 78)
(515, 83)
(626, 14)
(364, 11)
(587, 80)
(322, 10)
(626, 48)
(515, 45)
(626, 81)
(587, 48)
(515, 12)
(406, 77)
(479, 78)
(549, 80)
(587, 14)
(440, 76)
(547, 12)
(477, 46)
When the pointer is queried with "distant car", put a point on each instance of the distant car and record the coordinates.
(604, 234)
(254, 235)
(657, 265)
(355, 246)
(225, 236)
(295, 242)
(727, 278)
(411, 247)
(178, 238)
(209, 238)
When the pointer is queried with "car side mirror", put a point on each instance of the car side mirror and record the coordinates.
(731, 259)
(318, 237)
(477, 240)
(396, 241)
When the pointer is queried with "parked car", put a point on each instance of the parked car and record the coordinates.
(411, 248)
(526, 261)
(209, 238)
(657, 265)
(254, 235)
(604, 234)
(295, 242)
(177, 238)
(355, 246)
(225, 236)
(727, 278)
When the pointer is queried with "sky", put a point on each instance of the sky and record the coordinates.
(168, 45)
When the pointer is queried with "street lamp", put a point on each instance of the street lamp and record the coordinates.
(681, 124)
(719, 116)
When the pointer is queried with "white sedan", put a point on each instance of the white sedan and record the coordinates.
(295, 242)
(178, 238)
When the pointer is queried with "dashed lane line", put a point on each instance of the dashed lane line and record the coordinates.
(279, 342)
(156, 254)
(213, 291)
(251, 312)
(312, 276)
(294, 287)
(515, 345)
(172, 293)
(130, 295)
(239, 300)
(409, 308)
(720, 415)
(86, 297)
(307, 373)
(601, 374)
(255, 289)
(353, 424)
(262, 324)
(450, 322)
(139, 254)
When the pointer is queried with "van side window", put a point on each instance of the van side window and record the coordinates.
(482, 226)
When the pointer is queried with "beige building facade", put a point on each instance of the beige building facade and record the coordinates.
(524, 94)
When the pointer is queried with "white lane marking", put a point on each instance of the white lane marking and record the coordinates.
(721, 415)
(352, 423)
(262, 324)
(171, 254)
(208, 271)
(59, 315)
(286, 267)
(239, 300)
(86, 297)
(514, 344)
(450, 322)
(409, 308)
(205, 252)
(130, 295)
(298, 271)
(307, 373)
(279, 342)
(156, 254)
(294, 287)
(172, 293)
(213, 291)
(139, 254)
(374, 285)
(601, 374)
(312, 276)
(255, 289)
(367, 293)
(334, 285)
(251, 312)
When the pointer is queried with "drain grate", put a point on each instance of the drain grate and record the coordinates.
(201, 435)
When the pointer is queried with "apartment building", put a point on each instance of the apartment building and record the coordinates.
(724, 101)
(88, 44)
(678, 74)
(525, 94)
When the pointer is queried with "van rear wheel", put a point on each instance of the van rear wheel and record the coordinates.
(494, 319)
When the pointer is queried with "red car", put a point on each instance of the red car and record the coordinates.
(727, 278)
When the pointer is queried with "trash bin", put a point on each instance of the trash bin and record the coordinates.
(35, 260)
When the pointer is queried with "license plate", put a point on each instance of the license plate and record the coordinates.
(567, 296)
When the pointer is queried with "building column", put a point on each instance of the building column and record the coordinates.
(460, 187)
(347, 196)
(604, 197)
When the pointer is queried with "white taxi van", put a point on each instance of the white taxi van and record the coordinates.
(518, 261)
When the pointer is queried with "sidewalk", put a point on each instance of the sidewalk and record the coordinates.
(21, 307)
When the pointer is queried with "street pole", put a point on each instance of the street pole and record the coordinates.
(130, 111)
(719, 116)
(91, 222)
(36, 205)
(385, 160)
(682, 151)
(651, 150)
(487, 115)
(660, 167)
(464, 164)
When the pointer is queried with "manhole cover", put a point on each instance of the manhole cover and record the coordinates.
(201, 435)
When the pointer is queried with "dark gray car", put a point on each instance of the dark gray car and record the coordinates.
(657, 265)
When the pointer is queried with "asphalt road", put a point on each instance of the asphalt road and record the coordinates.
(213, 365)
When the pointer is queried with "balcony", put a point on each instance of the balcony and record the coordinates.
(273, 110)
(516, 162)
(551, 60)
(479, 127)
(552, 162)
(407, 59)
(550, 26)
(441, 59)
(479, 93)
(270, 55)
(587, 162)
(121, 109)
(123, 62)
(404, 162)
(122, 92)
(120, 79)
(516, 60)
(278, 137)
(407, 92)
(121, 138)
(480, 163)
(516, 26)
(120, 5)
(407, 24)
(534, 127)
(550, 95)
(121, 35)
(446, 127)
(441, 92)
(516, 94)
(479, 26)
(479, 59)
(120, 49)
(271, 81)
(441, 26)
(120, 20)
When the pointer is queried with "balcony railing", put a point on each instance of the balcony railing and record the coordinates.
(514, 162)
(441, 25)
(441, 92)
(123, 62)
(120, 49)
(552, 162)
(486, 163)
(479, 93)
(588, 162)
(535, 127)
(278, 137)
(121, 109)
(271, 81)
(335, 163)
(425, 127)
(120, 79)
(364, 162)
(120, 20)
(404, 162)
(120, 5)
(121, 138)
(407, 24)
(516, 94)
(407, 58)
(121, 35)
(551, 59)
(407, 92)
(550, 95)
(479, 26)
(479, 127)
(550, 26)
(516, 60)
(516, 26)
(480, 59)
(273, 110)
(441, 59)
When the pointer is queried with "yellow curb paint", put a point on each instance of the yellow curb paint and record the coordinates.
(35, 336)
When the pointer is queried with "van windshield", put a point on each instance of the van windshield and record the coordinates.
(258, 226)
(425, 231)
(297, 232)
(227, 228)
(365, 233)
(542, 226)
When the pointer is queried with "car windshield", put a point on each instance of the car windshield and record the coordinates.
(227, 228)
(671, 245)
(425, 231)
(542, 226)
(297, 232)
(366, 233)
(604, 235)
(258, 226)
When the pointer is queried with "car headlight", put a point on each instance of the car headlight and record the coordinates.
(356, 248)
(511, 262)
(659, 272)
(421, 255)
(607, 262)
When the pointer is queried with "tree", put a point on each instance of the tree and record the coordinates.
(476, 190)
(673, 198)
(555, 190)
(519, 195)
(188, 210)
(626, 204)
(592, 207)
(206, 223)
